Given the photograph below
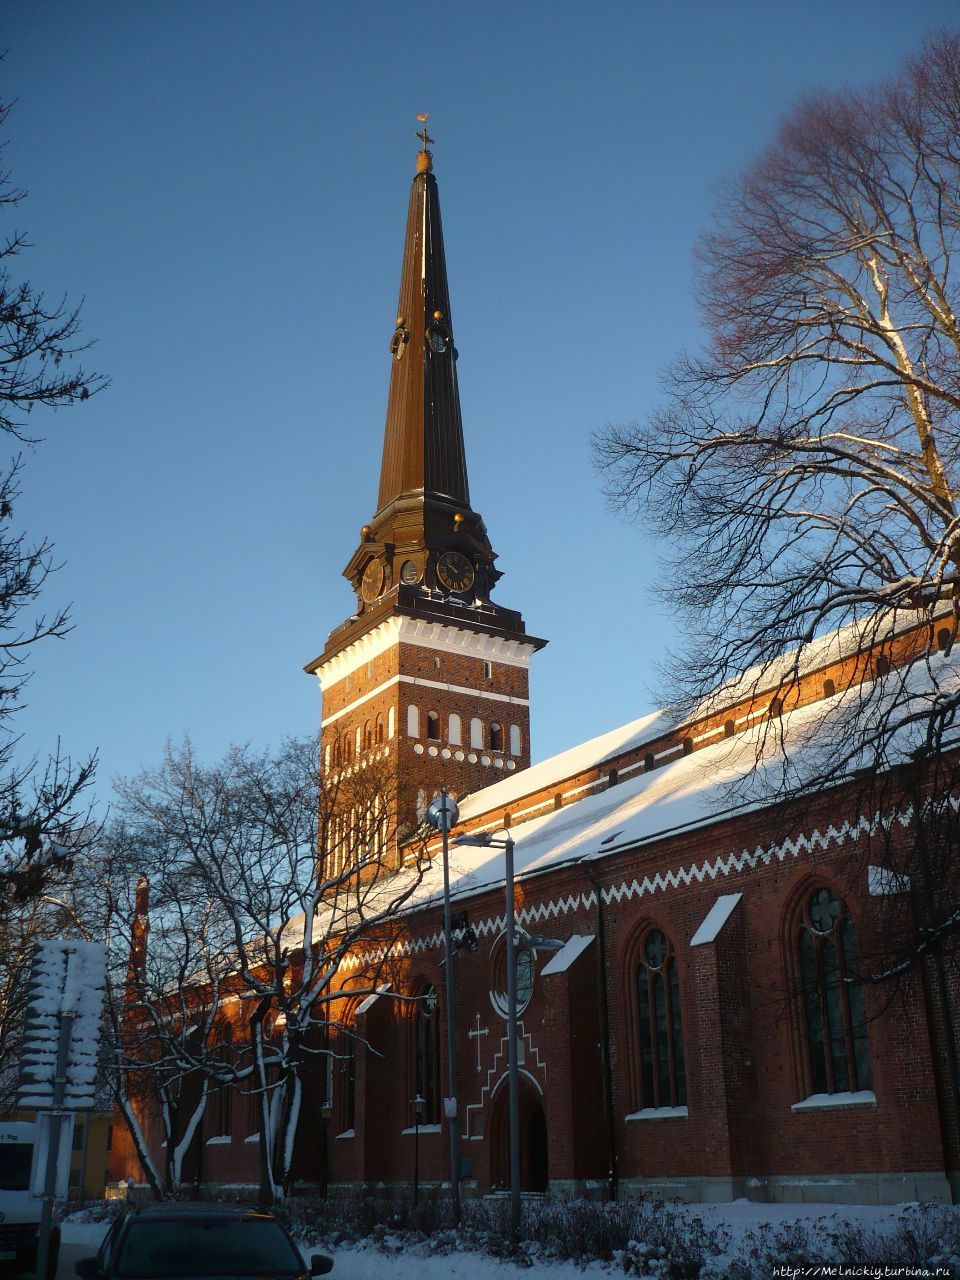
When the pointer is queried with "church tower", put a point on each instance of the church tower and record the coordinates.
(427, 680)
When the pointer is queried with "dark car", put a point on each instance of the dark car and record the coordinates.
(199, 1242)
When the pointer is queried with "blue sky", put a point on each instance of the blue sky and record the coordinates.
(226, 184)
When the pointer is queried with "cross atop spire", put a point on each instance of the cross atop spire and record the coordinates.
(425, 157)
(424, 137)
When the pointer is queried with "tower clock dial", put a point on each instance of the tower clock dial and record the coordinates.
(410, 572)
(371, 584)
(454, 571)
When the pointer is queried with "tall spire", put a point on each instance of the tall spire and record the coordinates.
(423, 441)
(425, 551)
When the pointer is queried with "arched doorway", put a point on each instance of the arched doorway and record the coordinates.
(534, 1162)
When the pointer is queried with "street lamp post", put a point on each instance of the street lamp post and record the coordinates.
(417, 1117)
(326, 1111)
(443, 813)
(485, 840)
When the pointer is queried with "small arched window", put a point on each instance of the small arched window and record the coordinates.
(882, 665)
(378, 732)
(776, 708)
(829, 688)
(433, 726)
(496, 737)
(454, 730)
(662, 1069)
(426, 1056)
(359, 741)
(367, 736)
(729, 728)
(326, 756)
(687, 746)
(391, 722)
(835, 1024)
(476, 733)
(944, 636)
(516, 742)
(649, 761)
(413, 722)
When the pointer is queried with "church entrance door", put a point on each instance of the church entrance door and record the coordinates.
(534, 1163)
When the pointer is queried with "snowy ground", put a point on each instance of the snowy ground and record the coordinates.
(80, 1239)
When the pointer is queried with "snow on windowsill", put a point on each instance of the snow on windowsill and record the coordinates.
(658, 1113)
(423, 1128)
(254, 1137)
(347, 1133)
(220, 1141)
(825, 1101)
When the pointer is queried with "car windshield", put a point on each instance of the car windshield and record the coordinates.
(206, 1247)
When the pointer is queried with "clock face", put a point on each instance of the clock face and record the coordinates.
(410, 572)
(454, 571)
(372, 582)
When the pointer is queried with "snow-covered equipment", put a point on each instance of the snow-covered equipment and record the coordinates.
(67, 985)
(58, 1066)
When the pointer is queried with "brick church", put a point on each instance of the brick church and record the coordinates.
(701, 1031)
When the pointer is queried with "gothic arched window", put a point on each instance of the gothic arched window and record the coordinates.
(378, 732)
(662, 1073)
(454, 730)
(426, 1055)
(476, 733)
(838, 1049)
(516, 745)
(496, 737)
(413, 722)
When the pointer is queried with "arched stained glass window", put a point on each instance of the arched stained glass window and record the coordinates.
(838, 1048)
(426, 1055)
(662, 1071)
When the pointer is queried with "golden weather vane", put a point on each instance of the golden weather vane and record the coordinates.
(423, 117)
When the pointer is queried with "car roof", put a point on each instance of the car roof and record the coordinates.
(201, 1209)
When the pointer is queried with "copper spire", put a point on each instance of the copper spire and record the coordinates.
(423, 441)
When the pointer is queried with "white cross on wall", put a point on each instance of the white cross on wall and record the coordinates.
(475, 1035)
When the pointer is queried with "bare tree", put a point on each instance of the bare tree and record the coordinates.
(299, 878)
(803, 473)
(40, 805)
(163, 1049)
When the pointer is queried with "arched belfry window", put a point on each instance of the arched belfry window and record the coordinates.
(476, 733)
(516, 746)
(835, 1025)
(413, 722)
(433, 726)
(454, 730)
(496, 737)
(662, 1070)
(426, 1055)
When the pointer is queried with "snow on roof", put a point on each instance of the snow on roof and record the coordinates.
(689, 791)
(821, 651)
(715, 919)
(586, 755)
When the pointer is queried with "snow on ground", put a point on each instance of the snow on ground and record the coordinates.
(90, 1233)
(365, 1264)
(408, 1263)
